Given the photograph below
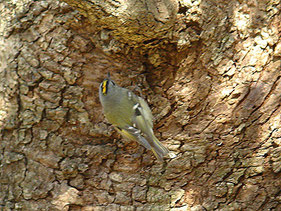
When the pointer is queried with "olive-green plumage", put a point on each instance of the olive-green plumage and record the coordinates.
(130, 115)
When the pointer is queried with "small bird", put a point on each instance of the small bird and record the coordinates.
(131, 116)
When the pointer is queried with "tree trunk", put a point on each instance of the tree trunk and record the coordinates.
(210, 71)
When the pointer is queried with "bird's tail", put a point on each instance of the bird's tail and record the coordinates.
(159, 150)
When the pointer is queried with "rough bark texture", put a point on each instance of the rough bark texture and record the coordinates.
(210, 71)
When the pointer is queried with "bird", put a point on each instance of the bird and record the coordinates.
(131, 116)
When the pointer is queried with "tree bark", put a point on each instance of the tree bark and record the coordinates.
(210, 71)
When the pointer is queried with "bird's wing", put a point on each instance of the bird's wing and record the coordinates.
(141, 127)
(146, 112)
(133, 134)
(142, 118)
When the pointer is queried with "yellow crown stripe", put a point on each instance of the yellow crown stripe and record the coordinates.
(104, 87)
